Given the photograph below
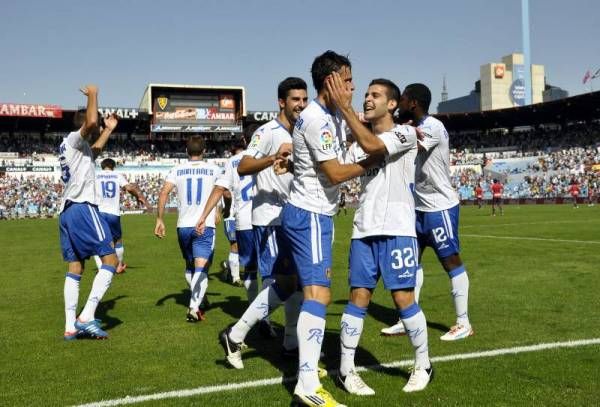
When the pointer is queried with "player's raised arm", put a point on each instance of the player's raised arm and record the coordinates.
(341, 96)
(214, 198)
(159, 229)
(110, 123)
(91, 114)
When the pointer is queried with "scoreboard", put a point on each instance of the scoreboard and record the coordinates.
(194, 108)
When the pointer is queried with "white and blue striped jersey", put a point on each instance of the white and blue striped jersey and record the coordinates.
(386, 202)
(318, 136)
(194, 181)
(433, 189)
(77, 170)
(242, 191)
(271, 191)
(108, 191)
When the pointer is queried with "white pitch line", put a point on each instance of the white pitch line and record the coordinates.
(279, 380)
(539, 239)
(528, 223)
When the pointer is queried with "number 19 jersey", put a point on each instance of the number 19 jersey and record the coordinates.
(194, 181)
(108, 191)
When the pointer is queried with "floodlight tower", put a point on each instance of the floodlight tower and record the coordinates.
(526, 49)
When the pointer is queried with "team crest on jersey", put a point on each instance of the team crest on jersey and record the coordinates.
(326, 140)
(162, 102)
(254, 142)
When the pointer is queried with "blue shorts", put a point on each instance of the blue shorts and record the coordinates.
(229, 228)
(395, 258)
(114, 223)
(273, 253)
(439, 230)
(83, 233)
(246, 248)
(309, 236)
(196, 247)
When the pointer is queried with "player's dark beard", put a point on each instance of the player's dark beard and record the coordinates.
(404, 116)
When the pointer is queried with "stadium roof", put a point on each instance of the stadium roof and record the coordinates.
(575, 108)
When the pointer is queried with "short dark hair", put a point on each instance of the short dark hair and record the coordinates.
(393, 91)
(108, 163)
(324, 65)
(419, 93)
(288, 84)
(195, 146)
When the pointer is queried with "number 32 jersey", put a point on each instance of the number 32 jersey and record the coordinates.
(108, 191)
(194, 181)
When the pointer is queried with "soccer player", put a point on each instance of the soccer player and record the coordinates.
(307, 217)
(479, 194)
(437, 208)
(241, 188)
(270, 142)
(574, 191)
(232, 265)
(108, 190)
(384, 242)
(83, 233)
(497, 190)
(194, 181)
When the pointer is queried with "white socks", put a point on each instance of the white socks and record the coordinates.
(418, 283)
(100, 285)
(352, 323)
(460, 294)
(120, 250)
(71, 293)
(311, 331)
(198, 287)
(265, 302)
(416, 328)
(234, 265)
(292, 312)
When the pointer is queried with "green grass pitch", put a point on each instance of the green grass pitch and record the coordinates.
(542, 285)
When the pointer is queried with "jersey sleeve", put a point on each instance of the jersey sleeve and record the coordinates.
(320, 140)
(171, 177)
(432, 135)
(260, 144)
(75, 140)
(121, 180)
(401, 138)
(225, 177)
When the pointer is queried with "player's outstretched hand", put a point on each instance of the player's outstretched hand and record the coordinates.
(89, 90)
(200, 226)
(159, 229)
(111, 121)
(340, 92)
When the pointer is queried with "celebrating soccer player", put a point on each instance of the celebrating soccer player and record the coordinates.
(307, 218)
(384, 242)
(83, 233)
(270, 143)
(108, 190)
(437, 207)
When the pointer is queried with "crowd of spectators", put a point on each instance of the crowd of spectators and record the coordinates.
(560, 157)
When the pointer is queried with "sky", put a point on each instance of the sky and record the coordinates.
(49, 49)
